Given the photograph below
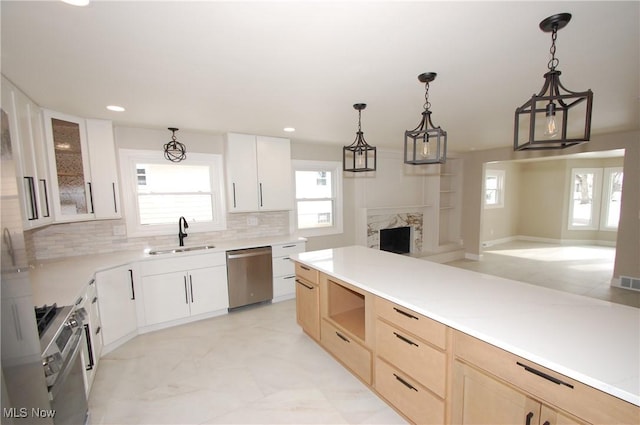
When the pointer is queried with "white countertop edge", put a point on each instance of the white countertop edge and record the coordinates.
(559, 368)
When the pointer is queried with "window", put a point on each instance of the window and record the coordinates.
(584, 198)
(611, 196)
(494, 189)
(157, 192)
(318, 198)
(595, 198)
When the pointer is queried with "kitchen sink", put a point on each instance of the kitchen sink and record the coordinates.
(181, 249)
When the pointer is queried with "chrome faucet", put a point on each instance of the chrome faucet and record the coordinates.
(181, 230)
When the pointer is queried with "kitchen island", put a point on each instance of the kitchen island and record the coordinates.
(594, 345)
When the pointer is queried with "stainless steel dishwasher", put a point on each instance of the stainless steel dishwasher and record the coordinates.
(249, 276)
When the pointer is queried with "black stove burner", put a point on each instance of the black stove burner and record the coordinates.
(44, 316)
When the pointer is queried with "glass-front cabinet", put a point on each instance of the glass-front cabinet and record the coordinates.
(69, 163)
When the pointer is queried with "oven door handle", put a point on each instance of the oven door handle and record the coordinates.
(68, 365)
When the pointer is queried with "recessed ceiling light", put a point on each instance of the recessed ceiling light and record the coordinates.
(115, 108)
(289, 129)
(77, 2)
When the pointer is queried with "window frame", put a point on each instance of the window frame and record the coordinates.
(607, 175)
(128, 170)
(334, 167)
(596, 198)
(500, 190)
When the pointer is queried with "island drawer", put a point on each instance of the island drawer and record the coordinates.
(306, 273)
(422, 362)
(425, 328)
(578, 399)
(409, 397)
(346, 349)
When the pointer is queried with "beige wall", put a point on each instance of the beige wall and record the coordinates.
(501, 223)
(628, 241)
(542, 195)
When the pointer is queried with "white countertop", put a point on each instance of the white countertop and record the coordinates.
(592, 341)
(62, 281)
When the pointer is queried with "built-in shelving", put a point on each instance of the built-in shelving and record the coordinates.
(346, 308)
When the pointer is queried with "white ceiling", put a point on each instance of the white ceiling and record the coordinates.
(261, 66)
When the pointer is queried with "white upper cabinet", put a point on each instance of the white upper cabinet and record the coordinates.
(102, 160)
(23, 121)
(83, 168)
(258, 173)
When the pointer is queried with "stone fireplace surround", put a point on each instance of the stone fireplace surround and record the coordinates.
(389, 218)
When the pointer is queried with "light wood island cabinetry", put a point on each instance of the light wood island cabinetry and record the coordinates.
(346, 329)
(430, 372)
(411, 362)
(308, 301)
(494, 386)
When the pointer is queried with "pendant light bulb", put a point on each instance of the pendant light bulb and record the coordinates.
(425, 147)
(551, 127)
(360, 159)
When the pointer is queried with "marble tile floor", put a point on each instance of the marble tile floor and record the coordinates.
(252, 366)
(579, 269)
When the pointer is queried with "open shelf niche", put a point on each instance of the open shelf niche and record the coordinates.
(346, 307)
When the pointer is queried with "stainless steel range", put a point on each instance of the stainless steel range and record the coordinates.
(61, 330)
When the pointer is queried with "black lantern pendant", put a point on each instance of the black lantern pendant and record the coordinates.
(359, 155)
(425, 144)
(174, 151)
(543, 122)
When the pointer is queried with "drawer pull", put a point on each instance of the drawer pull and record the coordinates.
(405, 339)
(289, 246)
(404, 313)
(544, 375)
(342, 337)
(529, 417)
(405, 383)
(304, 284)
(305, 268)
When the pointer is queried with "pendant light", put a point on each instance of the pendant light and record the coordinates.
(425, 144)
(543, 122)
(359, 155)
(174, 151)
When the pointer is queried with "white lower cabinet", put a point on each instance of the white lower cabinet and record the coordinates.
(92, 338)
(182, 288)
(117, 291)
(284, 274)
(178, 295)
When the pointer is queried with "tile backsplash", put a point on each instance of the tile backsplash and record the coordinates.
(97, 237)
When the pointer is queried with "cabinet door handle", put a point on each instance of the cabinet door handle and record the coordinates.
(289, 277)
(87, 333)
(289, 246)
(186, 293)
(91, 197)
(405, 383)
(191, 287)
(98, 330)
(404, 313)
(115, 203)
(342, 337)
(305, 268)
(528, 418)
(46, 197)
(33, 205)
(544, 375)
(133, 291)
(405, 339)
(79, 301)
(260, 194)
(94, 300)
(304, 284)
(233, 185)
